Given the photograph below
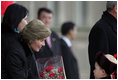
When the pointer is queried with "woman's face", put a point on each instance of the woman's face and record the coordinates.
(99, 72)
(22, 24)
(37, 44)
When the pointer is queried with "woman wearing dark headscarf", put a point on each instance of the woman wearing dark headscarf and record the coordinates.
(14, 21)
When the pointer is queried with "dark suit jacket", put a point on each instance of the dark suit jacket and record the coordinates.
(103, 37)
(46, 51)
(70, 63)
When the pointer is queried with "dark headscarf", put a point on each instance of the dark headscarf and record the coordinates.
(12, 17)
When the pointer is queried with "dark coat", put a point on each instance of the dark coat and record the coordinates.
(46, 51)
(103, 37)
(70, 63)
(108, 77)
(17, 61)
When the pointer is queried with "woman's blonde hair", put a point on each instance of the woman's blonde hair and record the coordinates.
(35, 30)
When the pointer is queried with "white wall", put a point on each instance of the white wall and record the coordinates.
(83, 13)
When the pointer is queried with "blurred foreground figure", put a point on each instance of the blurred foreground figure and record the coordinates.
(103, 35)
(14, 21)
(70, 63)
(52, 46)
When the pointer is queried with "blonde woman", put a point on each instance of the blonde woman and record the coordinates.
(22, 61)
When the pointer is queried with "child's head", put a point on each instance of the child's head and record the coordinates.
(105, 64)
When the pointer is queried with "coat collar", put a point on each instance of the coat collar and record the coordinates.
(26, 48)
(107, 77)
(111, 20)
(68, 42)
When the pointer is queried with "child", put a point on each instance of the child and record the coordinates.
(105, 65)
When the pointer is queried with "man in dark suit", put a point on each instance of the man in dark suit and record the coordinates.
(70, 63)
(103, 35)
(52, 43)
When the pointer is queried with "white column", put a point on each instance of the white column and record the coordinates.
(94, 12)
(31, 10)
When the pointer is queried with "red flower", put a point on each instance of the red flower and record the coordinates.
(42, 75)
(115, 55)
(60, 77)
(60, 70)
(52, 75)
(48, 69)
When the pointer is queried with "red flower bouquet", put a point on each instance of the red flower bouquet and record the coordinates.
(52, 73)
(48, 69)
(60, 70)
(60, 77)
(42, 75)
(51, 68)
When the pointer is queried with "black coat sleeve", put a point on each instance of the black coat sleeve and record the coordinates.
(98, 41)
(15, 65)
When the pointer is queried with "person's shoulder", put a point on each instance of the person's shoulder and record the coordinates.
(101, 24)
(12, 44)
(8, 40)
(63, 43)
(61, 40)
(99, 27)
(54, 33)
(17, 51)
